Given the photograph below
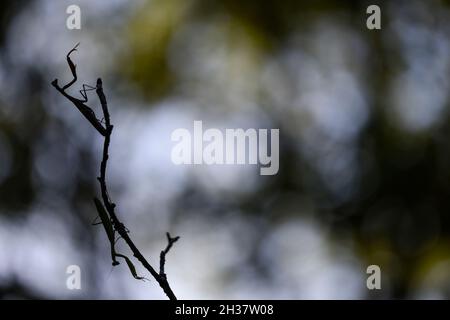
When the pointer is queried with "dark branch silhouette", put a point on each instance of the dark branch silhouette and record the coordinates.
(106, 208)
(162, 257)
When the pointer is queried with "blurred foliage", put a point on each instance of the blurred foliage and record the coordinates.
(398, 213)
(147, 50)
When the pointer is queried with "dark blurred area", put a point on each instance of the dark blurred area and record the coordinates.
(364, 147)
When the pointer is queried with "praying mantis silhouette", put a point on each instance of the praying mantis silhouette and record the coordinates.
(106, 209)
(110, 232)
(87, 112)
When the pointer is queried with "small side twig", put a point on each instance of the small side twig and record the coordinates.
(112, 219)
(162, 256)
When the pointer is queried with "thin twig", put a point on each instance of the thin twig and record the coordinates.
(162, 256)
(106, 131)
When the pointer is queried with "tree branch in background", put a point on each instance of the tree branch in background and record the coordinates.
(106, 208)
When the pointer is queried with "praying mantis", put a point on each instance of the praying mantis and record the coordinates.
(105, 208)
(87, 112)
(110, 232)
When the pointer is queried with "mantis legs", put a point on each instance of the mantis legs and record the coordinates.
(107, 224)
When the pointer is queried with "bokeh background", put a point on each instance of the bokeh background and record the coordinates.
(364, 119)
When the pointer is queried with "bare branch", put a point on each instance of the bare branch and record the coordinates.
(162, 256)
(109, 206)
